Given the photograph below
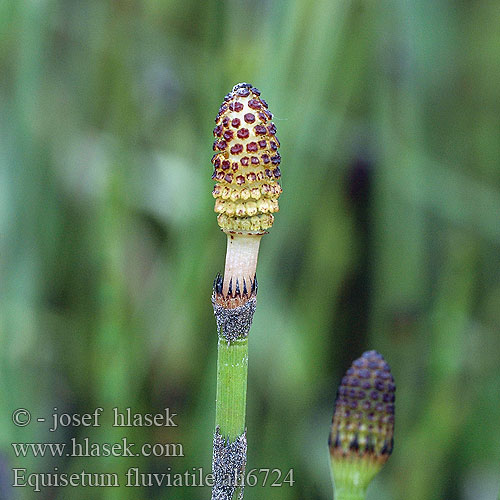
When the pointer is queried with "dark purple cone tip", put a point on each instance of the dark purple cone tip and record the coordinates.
(363, 422)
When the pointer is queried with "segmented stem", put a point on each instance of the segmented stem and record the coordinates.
(246, 169)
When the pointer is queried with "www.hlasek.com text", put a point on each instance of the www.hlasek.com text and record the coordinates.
(87, 448)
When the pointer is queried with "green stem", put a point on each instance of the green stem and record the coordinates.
(351, 479)
(232, 369)
(354, 494)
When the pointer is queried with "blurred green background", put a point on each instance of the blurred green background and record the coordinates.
(388, 237)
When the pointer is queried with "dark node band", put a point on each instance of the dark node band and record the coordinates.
(228, 466)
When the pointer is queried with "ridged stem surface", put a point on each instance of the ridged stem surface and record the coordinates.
(351, 479)
(232, 369)
(342, 494)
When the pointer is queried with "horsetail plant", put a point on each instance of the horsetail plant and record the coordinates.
(246, 168)
(361, 437)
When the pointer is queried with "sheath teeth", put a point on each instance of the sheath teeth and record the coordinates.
(246, 162)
